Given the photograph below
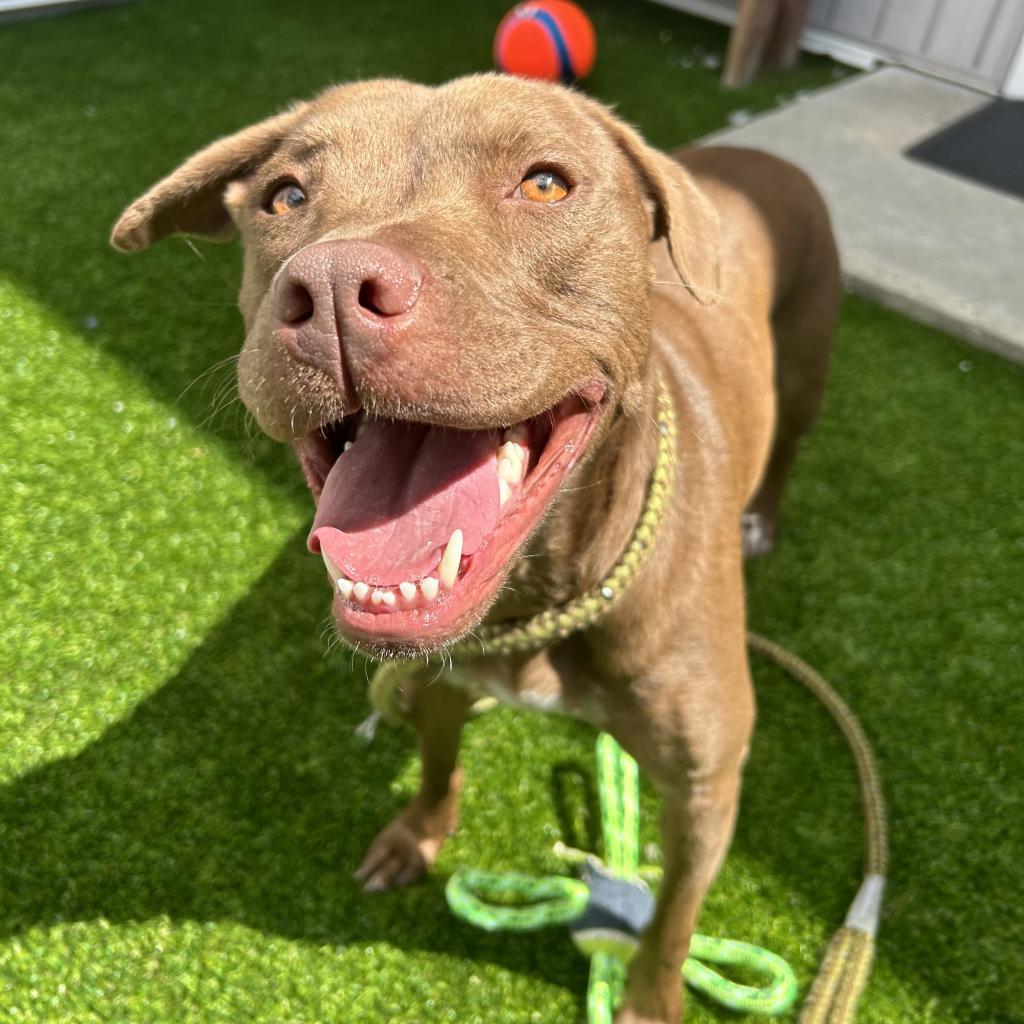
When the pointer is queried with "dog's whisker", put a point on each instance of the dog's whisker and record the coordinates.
(479, 639)
(582, 487)
(216, 367)
(224, 404)
(225, 390)
(439, 673)
(183, 300)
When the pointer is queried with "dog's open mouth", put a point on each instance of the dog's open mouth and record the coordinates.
(417, 523)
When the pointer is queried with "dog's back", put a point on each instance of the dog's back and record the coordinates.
(781, 267)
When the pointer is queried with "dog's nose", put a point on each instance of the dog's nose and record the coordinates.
(338, 293)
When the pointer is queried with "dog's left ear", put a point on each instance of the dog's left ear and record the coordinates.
(190, 201)
(682, 213)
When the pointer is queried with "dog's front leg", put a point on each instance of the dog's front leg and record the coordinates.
(695, 832)
(407, 848)
(698, 778)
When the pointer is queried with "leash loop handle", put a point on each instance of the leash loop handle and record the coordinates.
(774, 997)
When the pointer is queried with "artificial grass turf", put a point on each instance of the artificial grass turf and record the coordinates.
(182, 803)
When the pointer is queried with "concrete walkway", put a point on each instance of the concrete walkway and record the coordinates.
(939, 248)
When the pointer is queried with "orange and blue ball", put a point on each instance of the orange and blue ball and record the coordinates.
(549, 39)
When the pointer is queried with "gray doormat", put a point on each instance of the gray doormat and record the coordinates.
(986, 147)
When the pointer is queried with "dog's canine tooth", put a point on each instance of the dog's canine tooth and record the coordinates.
(408, 591)
(504, 491)
(360, 591)
(513, 451)
(345, 447)
(510, 470)
(448, 567)
(332, 570)
(429, 585)
(345, 587)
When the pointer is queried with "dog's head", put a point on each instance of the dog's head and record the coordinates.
(445, 297)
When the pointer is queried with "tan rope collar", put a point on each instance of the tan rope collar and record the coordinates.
(583, 611)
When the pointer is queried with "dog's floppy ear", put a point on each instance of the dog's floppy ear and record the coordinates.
(190, 200)
(682, 213)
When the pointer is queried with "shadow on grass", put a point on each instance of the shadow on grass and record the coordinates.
(576, 805)
(237, 791)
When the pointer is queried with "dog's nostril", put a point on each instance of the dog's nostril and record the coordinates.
(369, 297)
(295, 304)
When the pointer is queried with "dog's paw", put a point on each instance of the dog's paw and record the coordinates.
(758, 534)
(406, 850)
(395, 858)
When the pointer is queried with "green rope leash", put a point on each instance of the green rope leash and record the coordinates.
(516, 902)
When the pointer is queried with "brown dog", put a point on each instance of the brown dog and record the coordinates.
(459, 302)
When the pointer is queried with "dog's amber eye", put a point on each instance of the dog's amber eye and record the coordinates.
(544, 187)
(286, 198)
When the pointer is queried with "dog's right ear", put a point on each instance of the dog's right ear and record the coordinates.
(683, 214)
(190, 200)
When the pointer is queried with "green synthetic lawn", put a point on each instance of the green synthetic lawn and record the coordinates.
(182, 800)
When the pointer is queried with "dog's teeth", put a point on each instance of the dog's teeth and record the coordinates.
(345, 447)
(448, 568)
(345, 587)
(377, 597)
(429, 587)
(360, 591)
(388, 598)
(510, 470)
(333, 571)
(504, 491)
(513, 451)
(408, 591)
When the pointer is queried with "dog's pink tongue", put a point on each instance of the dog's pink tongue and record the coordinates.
(392, 501)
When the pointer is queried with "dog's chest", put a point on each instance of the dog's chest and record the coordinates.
(537, 687)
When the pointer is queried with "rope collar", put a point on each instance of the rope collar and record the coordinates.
(585, 610)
